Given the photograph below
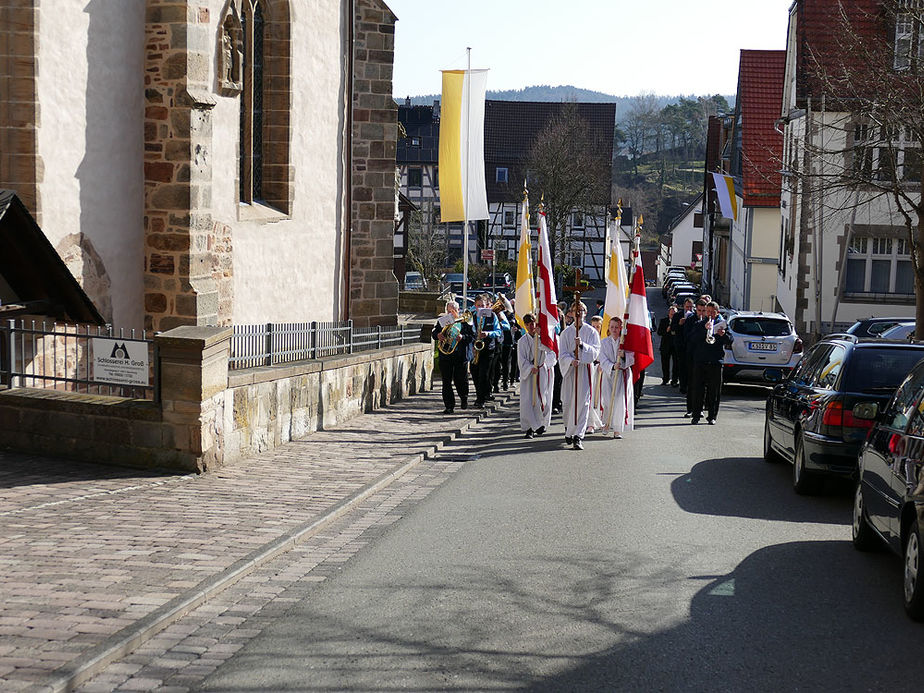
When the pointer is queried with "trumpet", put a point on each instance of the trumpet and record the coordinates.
(710, 332)
(452, 334)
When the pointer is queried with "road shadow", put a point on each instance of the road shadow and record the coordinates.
(806, 616)
(749, 487)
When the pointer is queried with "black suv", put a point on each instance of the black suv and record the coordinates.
(889, 500)
(810, 417)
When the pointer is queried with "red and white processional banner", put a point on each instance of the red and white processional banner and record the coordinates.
(548, 303)
(638, 331)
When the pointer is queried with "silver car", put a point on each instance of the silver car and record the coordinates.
(761, 341)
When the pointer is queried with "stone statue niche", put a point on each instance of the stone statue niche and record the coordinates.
(230, 54)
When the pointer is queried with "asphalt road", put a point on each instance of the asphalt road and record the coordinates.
(675, 559)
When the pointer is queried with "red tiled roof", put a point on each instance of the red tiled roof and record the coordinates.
(760, 97)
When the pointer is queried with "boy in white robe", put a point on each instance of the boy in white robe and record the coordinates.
(577, 351)
(536, 381)
(595, 417)
(618, 393)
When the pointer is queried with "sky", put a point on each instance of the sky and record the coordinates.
(619, 47)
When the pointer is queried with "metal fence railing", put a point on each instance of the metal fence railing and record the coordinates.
(275, 343)
(90, 359)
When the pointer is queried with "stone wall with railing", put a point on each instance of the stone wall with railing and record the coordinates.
(206, 415)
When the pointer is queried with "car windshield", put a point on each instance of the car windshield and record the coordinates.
(898, 332)
(761, 327)
(879, 370)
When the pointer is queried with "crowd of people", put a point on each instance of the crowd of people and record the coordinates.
(693, 342)
(589, 381)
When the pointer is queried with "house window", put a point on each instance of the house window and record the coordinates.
(509, 217)
(879, 266)
(908, 45)
(414, 177)
(415, 141)
(265, 102)
(500, 175)
(577, 220)
(885, 152)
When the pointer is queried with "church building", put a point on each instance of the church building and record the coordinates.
(206, 162)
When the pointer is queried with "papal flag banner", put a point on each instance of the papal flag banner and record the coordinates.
(725, 191)
(461, 162)
(617, 284)
(524, 293)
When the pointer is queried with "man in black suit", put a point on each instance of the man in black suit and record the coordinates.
(707, 340)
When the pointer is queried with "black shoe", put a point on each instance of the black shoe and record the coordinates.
(568, 440)
(674, 383)
(447, 410)
(665, 382)
(496, 389)
(711, 422)
(464, 405)
(489, 398)
(688, 415)
(540, 430)
(506, 386)
(530, 434)
(694, 420)
(578, 445)
(479, 404)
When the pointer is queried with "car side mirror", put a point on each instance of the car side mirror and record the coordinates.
(773, 375)
(868, 411)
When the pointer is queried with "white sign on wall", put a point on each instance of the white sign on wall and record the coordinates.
(120, 361)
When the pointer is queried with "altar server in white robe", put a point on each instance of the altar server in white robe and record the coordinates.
(618, 393)
(536, 381)
(595, 418)
(578, 348)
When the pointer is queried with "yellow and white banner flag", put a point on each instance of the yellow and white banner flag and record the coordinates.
(725, 191)
(617, 283)
(462, 188)
(524, 293)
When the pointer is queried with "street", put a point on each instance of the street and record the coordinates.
(675, 559)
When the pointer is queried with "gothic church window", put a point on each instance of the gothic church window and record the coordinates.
(265, 101)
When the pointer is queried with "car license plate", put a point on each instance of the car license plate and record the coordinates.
(762, 346)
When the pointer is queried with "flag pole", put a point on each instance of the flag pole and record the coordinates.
(468, 126)
(625, 317)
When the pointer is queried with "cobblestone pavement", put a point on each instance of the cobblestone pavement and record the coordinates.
(103, 564)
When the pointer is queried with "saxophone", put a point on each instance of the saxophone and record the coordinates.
(479, 343)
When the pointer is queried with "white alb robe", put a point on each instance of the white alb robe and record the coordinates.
(535, 390)
(577, 376)
(618, 396)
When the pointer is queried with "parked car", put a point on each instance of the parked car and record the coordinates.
(682, 288)
(681, 296)
(873, 327)
(809, 418)
(414, 281)
(889, 499)
(760, 341)
(903, 330)
(454, 281)
(498, 282)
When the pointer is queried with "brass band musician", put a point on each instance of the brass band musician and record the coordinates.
(454, 336)
(487, 338)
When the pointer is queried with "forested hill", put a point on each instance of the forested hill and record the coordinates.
(544, 92)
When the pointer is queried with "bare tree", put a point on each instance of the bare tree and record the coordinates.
(427, 249)
(639, 126)
(567, 171)
(867, 83)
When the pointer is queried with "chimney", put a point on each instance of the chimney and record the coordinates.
(407, 102)
(436, 109)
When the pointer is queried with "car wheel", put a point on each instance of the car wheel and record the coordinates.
(805, 483)
(770, 455)
(914, 588)
(863, 536)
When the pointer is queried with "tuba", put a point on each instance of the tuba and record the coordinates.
(453, 334)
